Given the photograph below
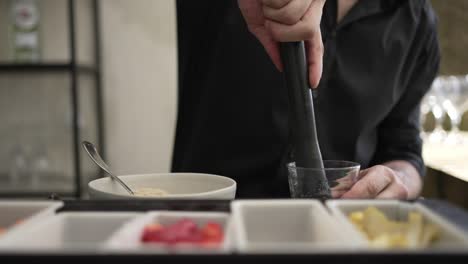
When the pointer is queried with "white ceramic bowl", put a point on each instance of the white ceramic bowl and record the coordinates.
(178, 185)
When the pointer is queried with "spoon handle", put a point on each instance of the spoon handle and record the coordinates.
(94, 155)
(122, 183)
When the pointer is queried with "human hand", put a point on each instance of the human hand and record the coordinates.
(379, 182)
(273, 21)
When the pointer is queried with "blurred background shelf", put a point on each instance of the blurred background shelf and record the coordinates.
(50, 104)
(46, 67)
(49, 185)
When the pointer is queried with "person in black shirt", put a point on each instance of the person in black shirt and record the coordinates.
(379, 59)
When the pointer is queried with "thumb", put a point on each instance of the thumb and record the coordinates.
(314, 49)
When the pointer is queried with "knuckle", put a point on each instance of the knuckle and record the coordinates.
(371, 188)
(250, 29)
(318, 47)
(253, 30)
(276, 34)
(403, 191)
(385, 172)
(307, 33)
(287, 16)
(280, 35)
(380, 168)
(276, 3)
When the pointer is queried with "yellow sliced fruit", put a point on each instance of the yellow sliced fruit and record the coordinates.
(385, 233)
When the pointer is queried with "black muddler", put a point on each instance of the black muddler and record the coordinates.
(303, 132)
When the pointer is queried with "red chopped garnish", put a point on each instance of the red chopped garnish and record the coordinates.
(152, 233)
(212, 233)
(183, 231)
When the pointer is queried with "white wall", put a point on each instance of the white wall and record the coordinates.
(139, 72)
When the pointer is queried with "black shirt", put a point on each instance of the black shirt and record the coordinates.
(232, 114)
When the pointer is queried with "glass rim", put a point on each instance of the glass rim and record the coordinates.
(348, 165)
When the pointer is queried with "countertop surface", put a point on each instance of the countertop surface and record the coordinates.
(450, 158)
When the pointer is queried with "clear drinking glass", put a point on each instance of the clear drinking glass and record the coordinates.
(340, 176)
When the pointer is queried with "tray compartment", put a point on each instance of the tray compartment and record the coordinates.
(16, 214)
(68, 232)
(127, 239)
(451, 237)
(287, 226)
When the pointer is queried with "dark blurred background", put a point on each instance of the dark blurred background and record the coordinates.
(453, 21)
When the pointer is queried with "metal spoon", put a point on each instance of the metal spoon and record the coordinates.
(94, 155)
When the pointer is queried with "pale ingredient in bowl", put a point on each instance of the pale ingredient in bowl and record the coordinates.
(150, 192)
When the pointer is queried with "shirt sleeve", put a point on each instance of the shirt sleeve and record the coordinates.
(399, 133)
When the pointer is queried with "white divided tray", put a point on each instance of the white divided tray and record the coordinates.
(68, 232)
(287, 226)
(451, 238)
(127, 239)
(18, 214)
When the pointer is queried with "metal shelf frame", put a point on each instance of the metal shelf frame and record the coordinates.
(74, 69)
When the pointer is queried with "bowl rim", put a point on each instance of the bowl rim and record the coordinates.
(233, 184)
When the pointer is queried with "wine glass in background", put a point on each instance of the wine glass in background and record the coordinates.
(436, 97)
(464, 95)
(455, 105)
(425, 109)
(451, 88)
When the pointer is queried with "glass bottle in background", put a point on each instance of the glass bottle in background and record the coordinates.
(40, 165)
(24, 16)
(19, 171)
